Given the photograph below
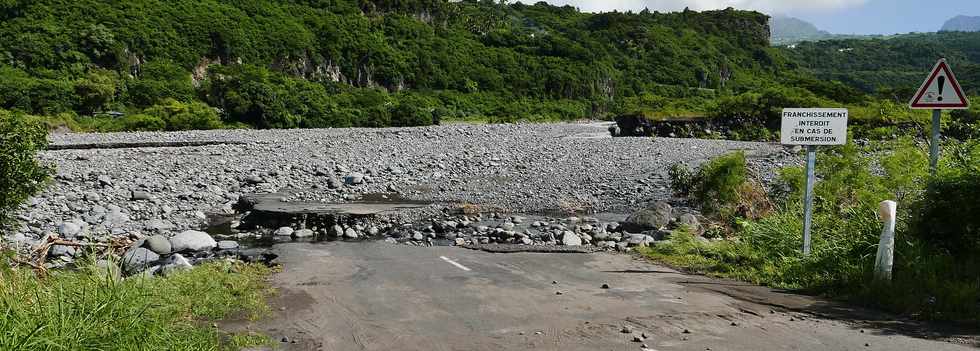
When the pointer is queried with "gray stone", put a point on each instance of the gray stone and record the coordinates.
(333, 182)
(192, 240)
(115, 219)
(372, 230)
(303, 233)
(104, 181)
(69, 230)
(93, 196)
(284, 231)
(417, 236)
(656, 217)
(158, 244)
(691, 222)
(569, 238)
(137, 259)
(354, 179)
(159, 225)
(174, 263)
(640, 240)
(507, 226)
(137, 195)
(61, 250)
(227, 245)
(254, 179)
(350, 233)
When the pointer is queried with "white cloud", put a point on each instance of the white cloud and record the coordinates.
(767, 6)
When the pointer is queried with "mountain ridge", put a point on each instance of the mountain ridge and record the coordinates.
(962, 23)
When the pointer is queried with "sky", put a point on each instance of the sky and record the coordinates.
(835, 16)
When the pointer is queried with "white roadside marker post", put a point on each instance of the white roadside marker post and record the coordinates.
(812, 127)
(887, 211)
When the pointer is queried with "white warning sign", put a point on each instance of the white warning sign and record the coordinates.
(814, 126)
(940, 90)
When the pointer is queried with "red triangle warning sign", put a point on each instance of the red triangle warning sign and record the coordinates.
(940, 91)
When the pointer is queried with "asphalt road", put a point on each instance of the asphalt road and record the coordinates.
(377, 296)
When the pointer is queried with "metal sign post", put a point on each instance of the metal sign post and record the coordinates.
(939, 91)
(812, 127)
(937, 115)
(811, 162)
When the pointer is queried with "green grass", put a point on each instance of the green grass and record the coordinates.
(88, 310)
(934, 277)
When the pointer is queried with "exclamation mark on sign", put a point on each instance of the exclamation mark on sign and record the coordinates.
(942, 85)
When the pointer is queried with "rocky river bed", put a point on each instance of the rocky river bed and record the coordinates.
(527, 184)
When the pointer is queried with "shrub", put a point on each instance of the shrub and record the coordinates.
(141, 122)
(949, 217)
(757, 115)
(723, 188)
(21, 175)
(185, 116)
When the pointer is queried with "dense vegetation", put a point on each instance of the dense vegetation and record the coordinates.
(895, 67)
(280, 64)
(760, 235)
(91, 309)
(300, 63)
(20, 173)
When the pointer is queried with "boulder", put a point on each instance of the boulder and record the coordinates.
(569, 238)
(284, 231)
(640, 240)
(653, 218)
(192, 240)
(691, 222)
(350, 233)
(303, 233)
(158, 244)
(138, 259)
(175, 262)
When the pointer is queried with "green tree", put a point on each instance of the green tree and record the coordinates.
(21, 175)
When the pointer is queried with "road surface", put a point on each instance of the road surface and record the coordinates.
(377, 296)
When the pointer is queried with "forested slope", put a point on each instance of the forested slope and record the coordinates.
(314, 63)
(186, 64)
(895, 64)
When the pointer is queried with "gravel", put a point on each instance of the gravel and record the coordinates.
(536, 170)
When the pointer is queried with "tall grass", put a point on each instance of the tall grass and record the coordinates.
(931, 280)
(90, 309)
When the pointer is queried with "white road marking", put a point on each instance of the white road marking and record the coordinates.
(454, 263)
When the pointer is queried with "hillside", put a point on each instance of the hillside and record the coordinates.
(962, 24)
(897, 64)
(791, 30)
(363, 63)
